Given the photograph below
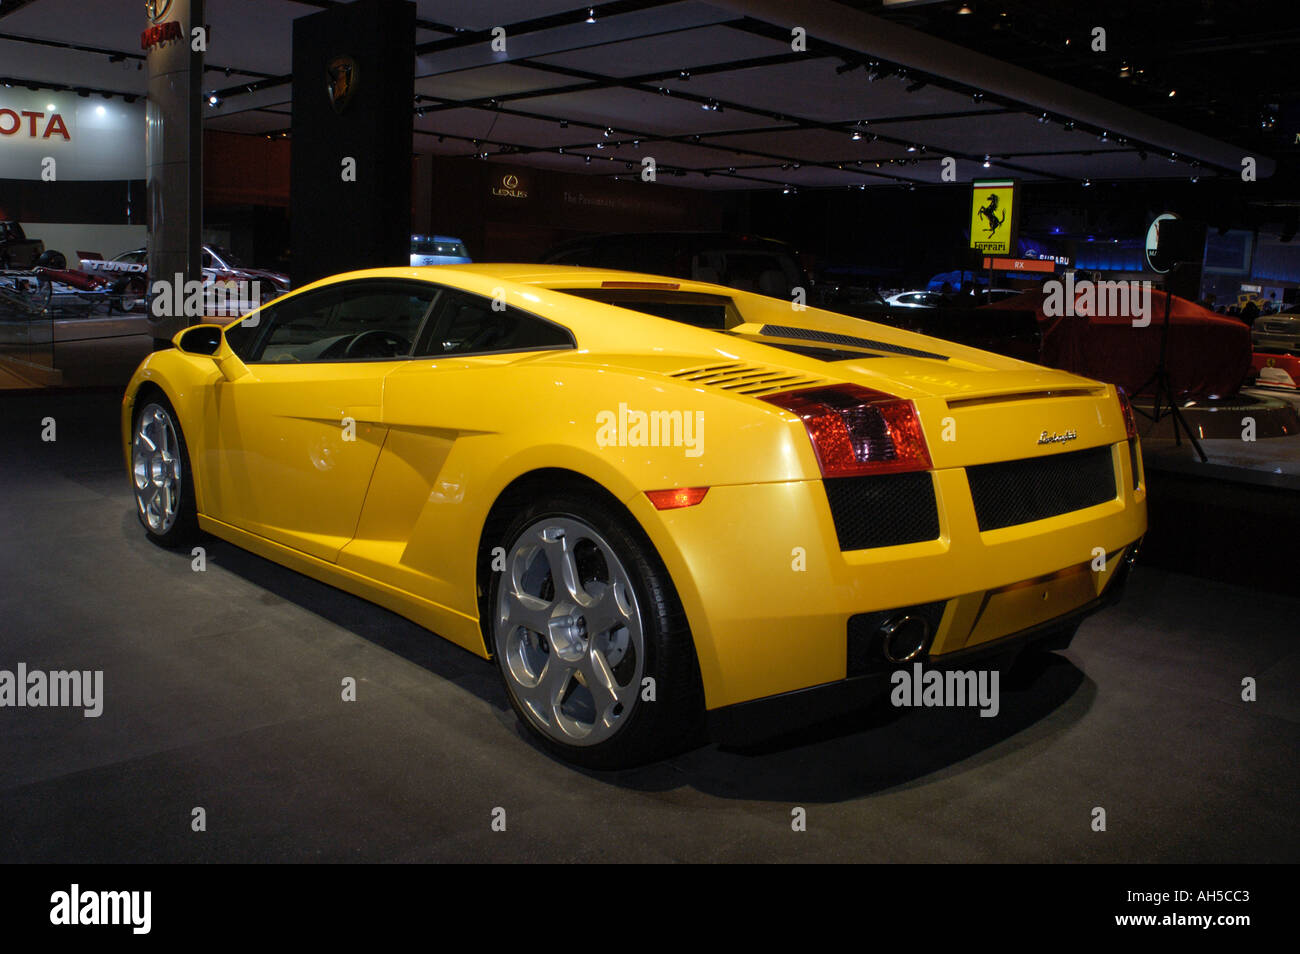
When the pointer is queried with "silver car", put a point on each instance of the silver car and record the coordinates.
(1277, 332)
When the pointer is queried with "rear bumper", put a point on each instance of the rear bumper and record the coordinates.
(770, 595)
(759, 719)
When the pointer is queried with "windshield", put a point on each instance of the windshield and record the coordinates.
(225, 255)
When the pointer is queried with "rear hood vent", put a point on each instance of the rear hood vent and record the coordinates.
(744, 378)
(829, 337)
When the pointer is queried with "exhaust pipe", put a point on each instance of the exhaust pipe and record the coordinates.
(904, 638)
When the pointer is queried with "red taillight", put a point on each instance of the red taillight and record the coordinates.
(856, 431)
(1130, 422)
(676, 498)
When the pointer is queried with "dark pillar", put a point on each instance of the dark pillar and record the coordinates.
(174, 147)
(353, 79)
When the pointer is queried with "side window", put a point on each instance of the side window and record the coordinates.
(463, 323)
(370, 319)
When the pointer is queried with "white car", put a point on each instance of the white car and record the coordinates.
(916, 299)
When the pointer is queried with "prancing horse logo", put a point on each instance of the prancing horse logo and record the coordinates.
(157, 9)
(342, 72)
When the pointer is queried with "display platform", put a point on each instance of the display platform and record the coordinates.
(222, 691)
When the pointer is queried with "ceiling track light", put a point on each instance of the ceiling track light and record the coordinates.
(591, 15)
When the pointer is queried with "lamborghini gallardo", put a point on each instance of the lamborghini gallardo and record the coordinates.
(666, 510)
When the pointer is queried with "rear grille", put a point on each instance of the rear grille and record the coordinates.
(1019, 491)
(744, 379)
(883, 510)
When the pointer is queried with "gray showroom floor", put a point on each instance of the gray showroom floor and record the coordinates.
(222, 691)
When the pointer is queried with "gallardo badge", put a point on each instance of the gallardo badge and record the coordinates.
(342, 72)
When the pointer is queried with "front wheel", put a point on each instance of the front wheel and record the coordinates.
(160, 474)
(590, 638)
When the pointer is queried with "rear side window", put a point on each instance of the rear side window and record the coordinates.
(715, 312)
(464, 323)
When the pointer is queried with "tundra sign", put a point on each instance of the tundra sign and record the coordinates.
(87, 138)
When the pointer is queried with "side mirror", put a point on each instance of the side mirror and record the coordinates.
(210, 341)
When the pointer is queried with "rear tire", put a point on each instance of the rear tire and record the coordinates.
(589, 636)
(160, 473)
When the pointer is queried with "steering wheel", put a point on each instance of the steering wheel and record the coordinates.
(392, 343)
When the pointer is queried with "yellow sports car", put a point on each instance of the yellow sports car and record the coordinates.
(659, 505)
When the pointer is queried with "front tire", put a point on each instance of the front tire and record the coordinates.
(161, 475)
(590, 638)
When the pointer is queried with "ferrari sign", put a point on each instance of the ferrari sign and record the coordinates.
(993, 212)
(342, 73)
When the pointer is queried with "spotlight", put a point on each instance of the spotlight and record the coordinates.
(683, 75)
(856, 135)
(214, 100)
(986, 162)
(911, 148)
(977, 97)
(789, 190)
(965, 10)
(1043, 117)
(591, 15)
(1086, 183)
(1068, 126)
(1124, 71)
(1173, 93)
(608, 132)
(587, 159)
(564, 124)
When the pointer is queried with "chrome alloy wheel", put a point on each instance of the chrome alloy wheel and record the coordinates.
(569, 632)
(156, 468)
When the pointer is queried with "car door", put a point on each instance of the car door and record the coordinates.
(296, 440)
(424, 476)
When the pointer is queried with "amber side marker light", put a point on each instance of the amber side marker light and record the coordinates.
(677, 498)
(856, 431)
(1125, 406)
